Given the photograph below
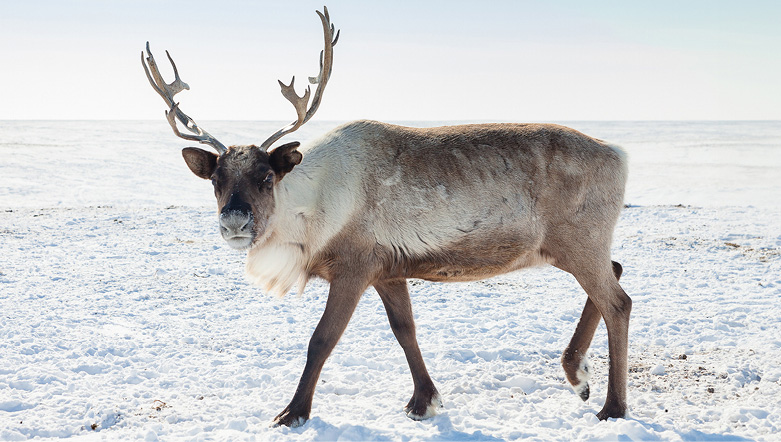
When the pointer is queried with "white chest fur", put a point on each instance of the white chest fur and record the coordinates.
(277, 267)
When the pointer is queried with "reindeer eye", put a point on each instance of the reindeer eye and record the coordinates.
(268, 181)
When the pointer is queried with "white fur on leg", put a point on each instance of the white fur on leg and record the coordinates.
(584, 374)
(431, 410)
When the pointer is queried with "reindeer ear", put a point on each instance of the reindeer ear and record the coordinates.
(284, 158)
(200, 161)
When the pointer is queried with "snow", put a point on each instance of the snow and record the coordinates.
(125, 316)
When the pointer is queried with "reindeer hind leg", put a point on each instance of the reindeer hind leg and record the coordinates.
(574, 360)
(614, 306)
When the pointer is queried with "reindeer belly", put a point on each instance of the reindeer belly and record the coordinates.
(479, 256)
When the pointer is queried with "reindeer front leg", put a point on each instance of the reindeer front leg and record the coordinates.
(395, 296)
(343, 297)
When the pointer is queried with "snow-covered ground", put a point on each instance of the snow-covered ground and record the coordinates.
(125, 316)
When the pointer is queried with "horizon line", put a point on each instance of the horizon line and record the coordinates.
(464, 120)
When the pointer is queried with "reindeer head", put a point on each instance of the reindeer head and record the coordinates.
(244, 177)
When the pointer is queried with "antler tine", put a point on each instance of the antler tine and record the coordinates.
(300, 103)
(167, 91)
(316, 80)
(202, 136)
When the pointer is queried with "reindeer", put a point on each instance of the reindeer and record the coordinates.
(374, 204)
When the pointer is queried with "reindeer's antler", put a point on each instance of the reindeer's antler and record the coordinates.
(300, 103)
(167, 91)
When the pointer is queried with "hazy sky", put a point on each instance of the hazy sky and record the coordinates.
(397, 60)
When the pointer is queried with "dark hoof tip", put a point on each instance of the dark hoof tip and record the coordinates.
(418, 410)
(585, 393)
(292, 423)
(289, 419)
(608, 413)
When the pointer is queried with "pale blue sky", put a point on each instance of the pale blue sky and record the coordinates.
(398, 60)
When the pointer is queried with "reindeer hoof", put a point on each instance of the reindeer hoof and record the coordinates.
(583, 391)
(612, 411)
(583, 374)
(289, 419)
(419, 411)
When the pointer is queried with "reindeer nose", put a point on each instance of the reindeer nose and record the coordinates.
(236, 204)
(235, 224)
(236, 218)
